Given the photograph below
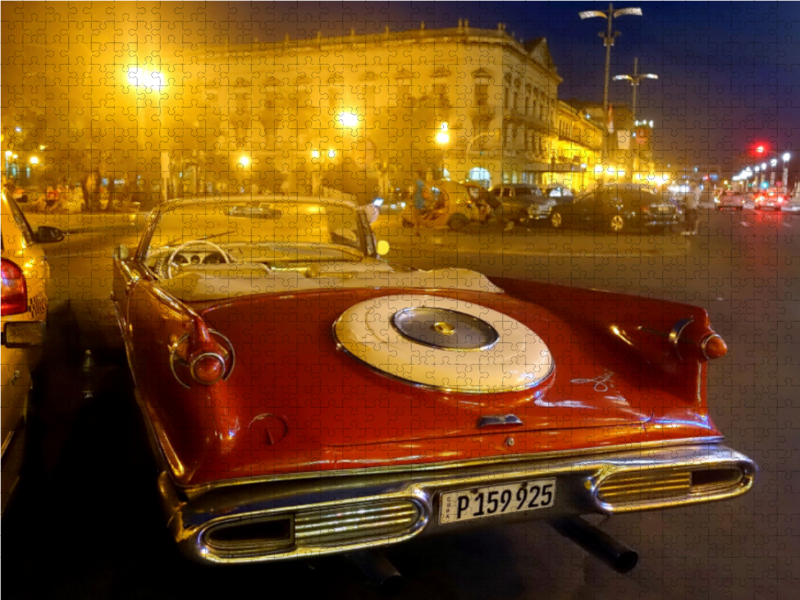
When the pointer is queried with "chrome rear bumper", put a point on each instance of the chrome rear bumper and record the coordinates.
(330, 513)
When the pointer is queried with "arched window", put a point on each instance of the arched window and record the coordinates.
(480, 174)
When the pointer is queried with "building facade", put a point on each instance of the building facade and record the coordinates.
(368, 110)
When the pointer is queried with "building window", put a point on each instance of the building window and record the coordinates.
(335, 97)
(482, 94)
(527, 100)
(440, 95)
(403, 98)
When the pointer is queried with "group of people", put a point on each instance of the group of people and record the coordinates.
(64, 198)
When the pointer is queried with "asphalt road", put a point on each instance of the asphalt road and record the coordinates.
(86, 524)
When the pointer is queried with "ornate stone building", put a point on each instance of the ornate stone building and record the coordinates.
(359, 109)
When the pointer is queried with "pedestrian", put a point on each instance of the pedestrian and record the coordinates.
(91, 191)
(692, 204)
(421, 197)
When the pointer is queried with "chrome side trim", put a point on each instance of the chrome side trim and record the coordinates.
(453, 465)
(490, 420)
(677, 330)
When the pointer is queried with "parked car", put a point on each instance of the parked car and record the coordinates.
(304, 397)
(520, 203)
(730, 200)
(560, 193)
(452, 207)
(793, 202)
(25, 273)
(770, 198)
(618, 209)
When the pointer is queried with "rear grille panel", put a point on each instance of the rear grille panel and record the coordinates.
(355, 523)
(660, 488)
(342, 526)
(638, 486)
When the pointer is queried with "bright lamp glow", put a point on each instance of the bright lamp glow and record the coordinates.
(34, 160)
(786, 156)
(442, 137)
(244, 161)
(315, 154)
(151, 80)
(331, 153)
(348, 119)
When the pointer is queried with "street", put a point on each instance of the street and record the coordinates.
(86, 523)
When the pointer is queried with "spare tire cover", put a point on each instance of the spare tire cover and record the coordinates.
(444, 343)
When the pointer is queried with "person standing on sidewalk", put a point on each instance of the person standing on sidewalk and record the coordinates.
(421, 196)
(692, 203)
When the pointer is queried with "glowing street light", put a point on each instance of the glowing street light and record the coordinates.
(331, 153)
(315, 154)
(34, 160)
(442, 137)
(151, 80)
(608, 38)
(348, 119)
(635, 80)
(244, 161)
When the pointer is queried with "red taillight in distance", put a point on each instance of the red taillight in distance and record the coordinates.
(15, 290)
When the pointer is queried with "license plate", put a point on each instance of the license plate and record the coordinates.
(494, 500)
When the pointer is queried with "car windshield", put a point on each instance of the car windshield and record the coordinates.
(269, 231)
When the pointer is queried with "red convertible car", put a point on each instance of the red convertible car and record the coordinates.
(306, 397)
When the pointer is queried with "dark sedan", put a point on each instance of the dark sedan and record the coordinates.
(617, 209)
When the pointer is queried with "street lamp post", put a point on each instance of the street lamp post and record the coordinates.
(608, 39)
(635, 80)
(149, 81)
(786, 156)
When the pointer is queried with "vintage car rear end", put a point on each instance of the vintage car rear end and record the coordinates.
(305, 398)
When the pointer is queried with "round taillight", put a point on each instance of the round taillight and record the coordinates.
(208, 368)
(15, 290)
(714, 346)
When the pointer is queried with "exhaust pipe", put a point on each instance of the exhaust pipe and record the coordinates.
(377, 569)
(614, 553)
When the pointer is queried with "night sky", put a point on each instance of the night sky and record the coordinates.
(729, 72)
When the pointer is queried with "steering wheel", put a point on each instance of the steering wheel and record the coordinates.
(192, 243)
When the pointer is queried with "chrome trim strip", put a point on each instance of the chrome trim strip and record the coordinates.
(677, 330)
(493, 420)
(192, 490)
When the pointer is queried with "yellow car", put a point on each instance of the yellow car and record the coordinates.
(25, 273)
(453, 207)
